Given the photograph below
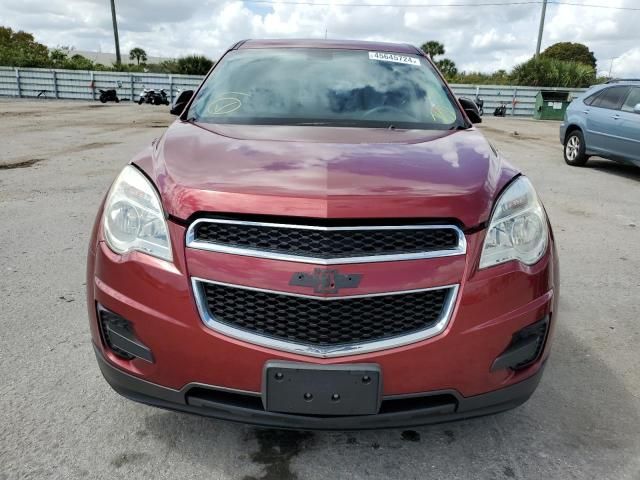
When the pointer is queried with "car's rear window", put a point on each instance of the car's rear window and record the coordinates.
(297, 86)
(611, 98)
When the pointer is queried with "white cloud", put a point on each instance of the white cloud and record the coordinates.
(482, 38)
(626, 65)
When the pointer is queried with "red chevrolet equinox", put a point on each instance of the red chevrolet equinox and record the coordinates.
(322, 240)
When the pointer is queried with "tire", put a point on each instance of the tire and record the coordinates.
(574, 149)
(117, 100)
(140, 101)
(103, 99)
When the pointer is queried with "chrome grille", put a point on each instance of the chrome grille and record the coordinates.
(326, 245)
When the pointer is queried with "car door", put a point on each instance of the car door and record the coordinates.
(629, 128)
(602, 122)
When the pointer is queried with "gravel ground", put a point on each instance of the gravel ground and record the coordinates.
(61, 420)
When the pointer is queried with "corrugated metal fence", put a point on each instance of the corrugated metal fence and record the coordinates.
(83, 85)
(519, 101)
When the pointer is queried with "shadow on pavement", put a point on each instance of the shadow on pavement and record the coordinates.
(631, 172)
(581, 423)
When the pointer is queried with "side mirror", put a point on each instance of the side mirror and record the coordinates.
(181, 102)
(471, 109)
(636, 109)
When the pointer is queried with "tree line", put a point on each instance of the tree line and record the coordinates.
(20, 49)
(563, 64)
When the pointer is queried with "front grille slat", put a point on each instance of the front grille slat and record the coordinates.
(326, 243)
(322, 323)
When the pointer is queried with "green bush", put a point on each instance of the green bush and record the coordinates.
(571, 52)
(19, 49)
(550, 72)
(194, 65)
(501, 77)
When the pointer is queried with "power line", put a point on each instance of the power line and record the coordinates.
(431, 5)
(399, 5)
(590, 5)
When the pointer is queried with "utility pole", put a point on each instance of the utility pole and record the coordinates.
(541, 29)
(115, 31)
(611, 67)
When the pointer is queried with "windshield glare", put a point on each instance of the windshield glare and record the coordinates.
(325, 87)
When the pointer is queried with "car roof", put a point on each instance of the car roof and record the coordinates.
(333, 44)
(632, 81)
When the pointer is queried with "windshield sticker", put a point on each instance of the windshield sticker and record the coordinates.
(393, 57)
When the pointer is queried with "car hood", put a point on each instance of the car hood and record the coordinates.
(326, 172)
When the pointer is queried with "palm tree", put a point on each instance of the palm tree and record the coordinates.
(433, 48)
(448, 68)
(138, 54)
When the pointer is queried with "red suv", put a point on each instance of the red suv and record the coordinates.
(323, 240)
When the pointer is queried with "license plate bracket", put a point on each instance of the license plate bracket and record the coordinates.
(308, 389)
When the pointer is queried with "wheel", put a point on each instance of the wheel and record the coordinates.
(117, 100)
(140, 101)
(574, 149)
(103, 99)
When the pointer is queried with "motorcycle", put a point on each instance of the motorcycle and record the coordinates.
(146, 96)
(479, 103)
(109, 96)
(161, 98)
(500, 111)
(151, 96)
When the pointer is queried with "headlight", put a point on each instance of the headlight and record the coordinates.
(518, 228)
(133, 217)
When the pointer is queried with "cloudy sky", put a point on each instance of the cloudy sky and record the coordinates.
(476, 36)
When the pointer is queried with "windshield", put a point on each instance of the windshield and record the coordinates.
(298, 86)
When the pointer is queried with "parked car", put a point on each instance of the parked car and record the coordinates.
(323, 240)
(605, 121)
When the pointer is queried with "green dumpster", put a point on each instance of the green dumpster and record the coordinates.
(551, 104)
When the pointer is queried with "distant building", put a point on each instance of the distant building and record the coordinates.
(107, 58)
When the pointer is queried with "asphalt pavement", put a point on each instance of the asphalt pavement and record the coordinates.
(59, 418)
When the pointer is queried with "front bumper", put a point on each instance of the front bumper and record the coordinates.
(234, 409)
(157, 298)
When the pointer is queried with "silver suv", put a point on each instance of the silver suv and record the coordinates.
(604, 121)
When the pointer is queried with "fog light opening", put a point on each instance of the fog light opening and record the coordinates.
(525, 348)
(117, 333)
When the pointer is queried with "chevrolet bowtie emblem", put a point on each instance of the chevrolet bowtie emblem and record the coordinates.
(325, 281)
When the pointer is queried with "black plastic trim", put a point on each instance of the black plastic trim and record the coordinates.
(142, 391)
(525, 348)
(119, 336)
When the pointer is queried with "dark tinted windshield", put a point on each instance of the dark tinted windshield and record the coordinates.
(325, 87)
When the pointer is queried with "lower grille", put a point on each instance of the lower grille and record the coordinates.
(323, 325)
